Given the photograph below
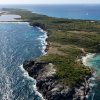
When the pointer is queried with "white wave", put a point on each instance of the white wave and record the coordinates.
(87, 96)
(92, 85)
(43, 40)
(25, 73)
(22, 23)
(93, 95)
(93, 78)
(5, 85)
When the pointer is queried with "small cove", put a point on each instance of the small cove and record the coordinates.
(93, 61)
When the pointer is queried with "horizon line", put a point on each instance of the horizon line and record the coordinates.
(50, 4)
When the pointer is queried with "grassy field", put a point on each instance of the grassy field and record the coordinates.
(67, 38)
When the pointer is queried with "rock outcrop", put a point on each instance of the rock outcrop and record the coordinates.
(36, 24)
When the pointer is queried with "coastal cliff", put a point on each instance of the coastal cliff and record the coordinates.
(49, 87)
(47, 82)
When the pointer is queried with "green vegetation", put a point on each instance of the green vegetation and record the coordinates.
(67, 39)
(68, 72)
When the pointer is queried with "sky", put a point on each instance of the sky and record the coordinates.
(49, 1)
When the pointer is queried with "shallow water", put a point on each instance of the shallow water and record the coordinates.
(18, 42)
(94, 62)
(9, 17)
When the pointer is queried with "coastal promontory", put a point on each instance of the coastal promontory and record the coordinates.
(60, 74)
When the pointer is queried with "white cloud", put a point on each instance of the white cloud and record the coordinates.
(47, 1)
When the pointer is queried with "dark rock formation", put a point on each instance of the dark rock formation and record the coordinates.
(36, 24)
(47, 83)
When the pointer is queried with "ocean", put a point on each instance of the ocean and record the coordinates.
(19, 42)
(89, 12)
(93, 61)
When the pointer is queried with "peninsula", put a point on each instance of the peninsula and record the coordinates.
(60, 74)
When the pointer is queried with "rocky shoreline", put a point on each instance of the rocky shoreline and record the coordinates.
(49, 87)
(44, 28)
(47, 83)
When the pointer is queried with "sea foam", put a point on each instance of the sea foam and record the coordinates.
(92, 79)
(43, 38)
(25, 74)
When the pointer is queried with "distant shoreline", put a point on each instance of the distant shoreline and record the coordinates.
(67, 11)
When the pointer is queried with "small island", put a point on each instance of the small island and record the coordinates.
(60, 74)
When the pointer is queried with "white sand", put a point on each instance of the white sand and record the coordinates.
(85, 58)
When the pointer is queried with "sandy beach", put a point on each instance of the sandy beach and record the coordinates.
(85, 58)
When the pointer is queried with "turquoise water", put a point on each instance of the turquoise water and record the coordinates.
(18, 42)
(94, 62)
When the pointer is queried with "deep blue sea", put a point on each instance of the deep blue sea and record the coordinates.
(19, 42)
(90, 12)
